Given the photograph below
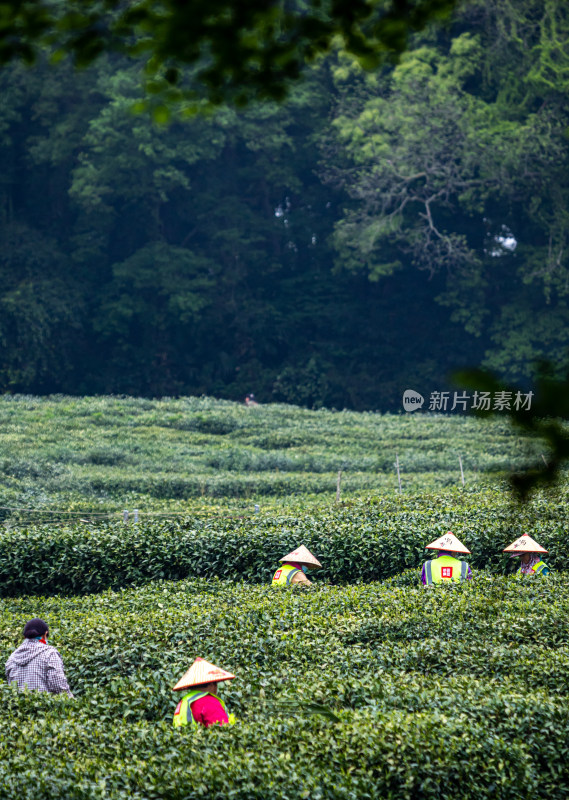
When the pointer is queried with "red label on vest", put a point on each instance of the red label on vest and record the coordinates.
(446, 572)
(277, 574)
(177, 711)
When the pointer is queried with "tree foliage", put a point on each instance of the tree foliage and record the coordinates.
(445, 160)
(373, 233)
(240, 49)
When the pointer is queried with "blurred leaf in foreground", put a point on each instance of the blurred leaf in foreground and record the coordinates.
(544, 418)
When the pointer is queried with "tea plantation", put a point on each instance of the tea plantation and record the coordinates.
(365, 685)
(106, 454)
(376, 690)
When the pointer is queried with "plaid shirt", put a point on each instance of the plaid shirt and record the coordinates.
(38, 666)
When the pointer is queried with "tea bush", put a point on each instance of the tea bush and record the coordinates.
(109, 453)
(352, 688)
(362, 540)
(378, 690)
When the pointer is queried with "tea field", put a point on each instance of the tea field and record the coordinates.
(379, 690)
(105, 454)
(364, 685)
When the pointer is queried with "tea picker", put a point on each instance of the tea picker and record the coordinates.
(201, 705)
(36, 665)
(295, 566)
(527, 550)
(445, 568)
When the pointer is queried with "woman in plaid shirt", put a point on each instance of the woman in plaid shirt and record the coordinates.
(36, 664)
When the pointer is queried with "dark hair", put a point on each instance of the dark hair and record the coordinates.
(35, 627)
(201, 686)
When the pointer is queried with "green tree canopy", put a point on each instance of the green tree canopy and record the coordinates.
(374, 233)
(446, 158)
(239, 49)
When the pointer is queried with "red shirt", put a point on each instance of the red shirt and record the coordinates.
(208, 710)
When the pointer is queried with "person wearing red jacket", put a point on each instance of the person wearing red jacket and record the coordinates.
(201, 705)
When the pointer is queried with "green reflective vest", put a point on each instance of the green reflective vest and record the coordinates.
(183, 713)
(445, 568)
(537, 569)
(284, 575)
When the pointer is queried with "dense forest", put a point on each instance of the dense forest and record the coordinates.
(372, 233)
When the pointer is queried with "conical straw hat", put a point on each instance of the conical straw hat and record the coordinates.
(448, 542)
(202, 671)
(525, 544)
(302, 555)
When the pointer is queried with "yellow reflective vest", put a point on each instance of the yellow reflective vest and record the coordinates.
(540, 568)
(284, 575)
(445, 569)
(183, 713)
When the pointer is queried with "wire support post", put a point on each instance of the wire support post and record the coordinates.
(338, 485)
(398, 472)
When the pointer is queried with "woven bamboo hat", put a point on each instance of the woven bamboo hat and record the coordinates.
(448, 542)
(302, 555)
(202, 671)
(525, 544)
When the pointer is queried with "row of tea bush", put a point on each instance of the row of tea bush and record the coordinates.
(101, 452)
(372, 691)
(361, 541)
